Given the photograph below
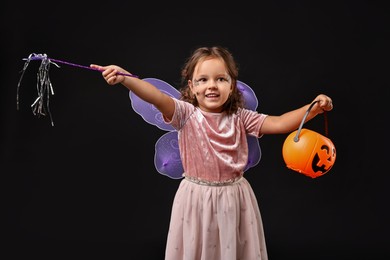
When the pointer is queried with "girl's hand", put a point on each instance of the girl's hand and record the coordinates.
(324, 104)
(110, 73)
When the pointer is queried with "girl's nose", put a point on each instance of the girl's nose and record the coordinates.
(212, 84)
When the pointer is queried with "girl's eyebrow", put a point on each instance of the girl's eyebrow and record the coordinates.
(218, 75)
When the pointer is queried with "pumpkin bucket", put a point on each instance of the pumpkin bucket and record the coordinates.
(308, 152)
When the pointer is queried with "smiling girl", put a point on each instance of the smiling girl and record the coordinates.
(215, 214)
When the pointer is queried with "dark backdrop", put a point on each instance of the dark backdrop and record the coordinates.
(87, 187)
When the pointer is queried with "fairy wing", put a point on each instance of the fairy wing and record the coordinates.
(254, 152)
(148, 111)
(167, 158)
(249, 95)
(251, 102)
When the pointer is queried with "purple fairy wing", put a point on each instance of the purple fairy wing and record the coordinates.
(249, 95)
(254, 152)
(167, 156)
(251, 102)
(148, 111)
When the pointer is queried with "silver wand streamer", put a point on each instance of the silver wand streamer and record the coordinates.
(40, 107)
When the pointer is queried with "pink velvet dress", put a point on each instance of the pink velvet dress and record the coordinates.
(215, 214)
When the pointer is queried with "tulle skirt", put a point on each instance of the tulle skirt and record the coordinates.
(215, 223)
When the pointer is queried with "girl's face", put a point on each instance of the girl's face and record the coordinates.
(211, 84)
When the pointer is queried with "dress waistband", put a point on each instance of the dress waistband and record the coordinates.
(213, 183)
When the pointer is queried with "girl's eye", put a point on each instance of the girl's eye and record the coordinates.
(200, 81)
(206, 80)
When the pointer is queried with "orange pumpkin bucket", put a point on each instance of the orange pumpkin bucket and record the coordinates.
(308, 152)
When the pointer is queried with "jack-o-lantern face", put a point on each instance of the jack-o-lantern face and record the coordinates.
(312, 154)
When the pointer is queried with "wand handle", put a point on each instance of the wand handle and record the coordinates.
(40, 57)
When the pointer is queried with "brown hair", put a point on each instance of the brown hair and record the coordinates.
(235, 100)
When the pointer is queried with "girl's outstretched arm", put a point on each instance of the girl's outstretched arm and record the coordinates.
(291, 120)
(141, 88)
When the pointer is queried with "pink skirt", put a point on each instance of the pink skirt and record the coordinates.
(215, 223)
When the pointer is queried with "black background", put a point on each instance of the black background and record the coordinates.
(87, 187)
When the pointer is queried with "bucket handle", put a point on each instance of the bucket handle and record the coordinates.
(296, 138)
